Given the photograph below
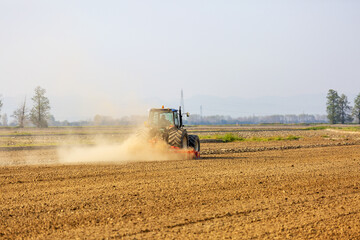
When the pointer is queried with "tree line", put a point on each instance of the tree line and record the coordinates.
(339, 110)
(196, 119)
(337, 106)
(38, 115)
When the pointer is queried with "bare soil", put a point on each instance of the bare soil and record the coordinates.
(301, 189)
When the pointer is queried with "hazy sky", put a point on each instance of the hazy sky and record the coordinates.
(121, 52)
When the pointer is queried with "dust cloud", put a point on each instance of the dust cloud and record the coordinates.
(133, 149)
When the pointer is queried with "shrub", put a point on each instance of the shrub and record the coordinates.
(317, 128)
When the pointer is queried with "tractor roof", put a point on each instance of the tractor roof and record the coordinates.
(163, 110)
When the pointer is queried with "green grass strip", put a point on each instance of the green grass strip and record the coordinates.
(229, 137)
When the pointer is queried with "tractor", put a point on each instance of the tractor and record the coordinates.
(167, 124)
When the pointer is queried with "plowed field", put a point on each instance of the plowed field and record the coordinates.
(300, 189)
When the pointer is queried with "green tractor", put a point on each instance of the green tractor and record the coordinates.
(167, 124)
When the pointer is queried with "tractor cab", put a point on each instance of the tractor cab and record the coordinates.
(165, 118)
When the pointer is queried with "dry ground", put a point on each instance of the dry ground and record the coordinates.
(301, 189)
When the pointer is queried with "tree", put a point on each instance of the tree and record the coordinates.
(1, 104)
(332, 106)
(21, 114)
(40, 112)
(4, 120)
(356, 108)
(344, 109)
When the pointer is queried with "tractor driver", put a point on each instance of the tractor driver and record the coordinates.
(163, 121)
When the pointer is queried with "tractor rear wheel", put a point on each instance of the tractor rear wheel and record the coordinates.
(178, 138)
(194, 142)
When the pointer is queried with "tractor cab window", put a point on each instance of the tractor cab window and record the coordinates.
(161, 119)
(176, 120)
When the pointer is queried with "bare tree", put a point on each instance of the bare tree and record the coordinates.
(1, 102)
(4, 120)
(41, 110)
(21, 114)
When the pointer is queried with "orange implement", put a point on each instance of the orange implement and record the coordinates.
(188, 153)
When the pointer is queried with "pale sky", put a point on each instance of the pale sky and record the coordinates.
(121, 53)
